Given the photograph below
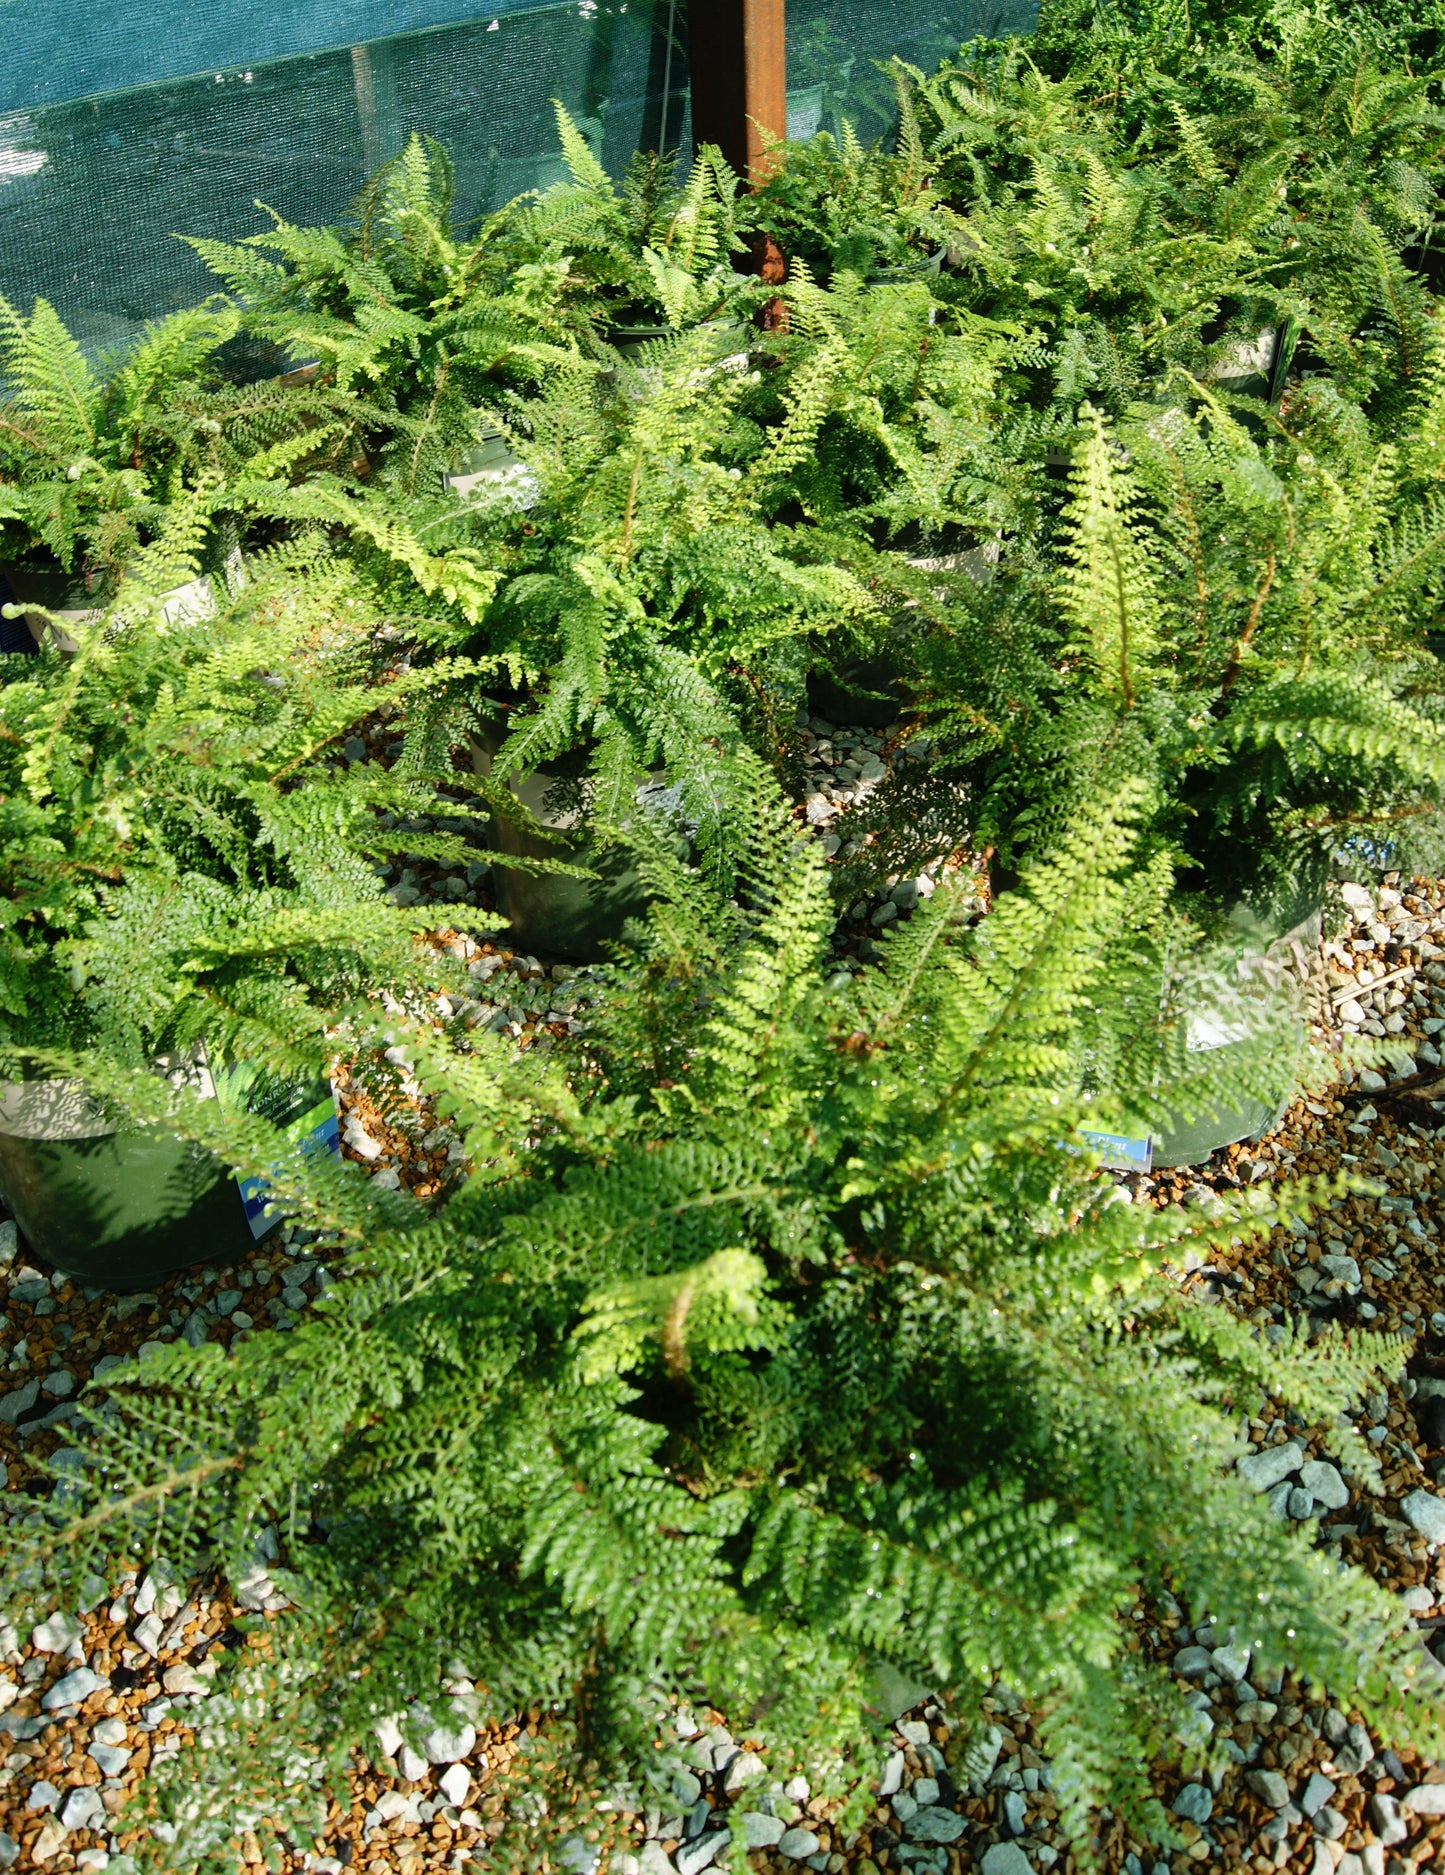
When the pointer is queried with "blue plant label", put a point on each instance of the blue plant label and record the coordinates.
(304, 1110)
(1121, 1154)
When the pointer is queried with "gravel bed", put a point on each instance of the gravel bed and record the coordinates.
(91, 1698)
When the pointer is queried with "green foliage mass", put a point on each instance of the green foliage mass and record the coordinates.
(785, 1328)
(182, 859)
(795, 1335)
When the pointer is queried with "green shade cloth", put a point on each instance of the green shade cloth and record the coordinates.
(122, 127)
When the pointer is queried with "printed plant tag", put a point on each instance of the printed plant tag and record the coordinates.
(1121, 1154)
(305, 1110)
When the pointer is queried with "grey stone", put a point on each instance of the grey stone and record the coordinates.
(1269, 1787)
(1278, 1497)
(72, 1688)
(112, 1759)
(575, 1853)
(1341, 1269)
(1317, 1793)
(654, 1860)
(925, 1791)
(1325, 1484)
(1356, 1752)
(9, 1850)
(1232, 1662)
(686, 1787)
(798, 1843)
(1015, 1814)
(698, 1818)
(937, 1824)
(904, 1806)
(1425, 1800)
(1194, 1662)
(1268, 1465)
(914, 1732)
(12, 1405)
(980, 1755)
(1426, 1514)
(43, 1796)
(1385, 1819)
(699, 1854)
(1301, 1504)
(1195, 1803)
(1005, 1858)
(761, 1831)
(1329, 1824)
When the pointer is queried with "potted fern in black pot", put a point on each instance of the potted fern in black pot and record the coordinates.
(188, 888)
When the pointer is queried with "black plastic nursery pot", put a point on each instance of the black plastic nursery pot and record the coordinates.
(1250, 1120)
(121, 1207)
(569, 918)
(118, 1210)
(873, 692)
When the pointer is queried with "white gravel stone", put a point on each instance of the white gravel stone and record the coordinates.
(799, 1844)
(57, 1634)
(72, 1688)
(454, 1783)
(84, 1809)
(1425, 1800)
(449, 1747)
(743, 1769)
(1385, 1819)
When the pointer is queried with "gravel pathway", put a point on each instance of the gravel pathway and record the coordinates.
(91, 1698)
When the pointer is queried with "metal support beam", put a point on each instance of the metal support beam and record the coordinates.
(738, 60)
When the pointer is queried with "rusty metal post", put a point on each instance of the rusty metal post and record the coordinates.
(737, 55)
(738, 60)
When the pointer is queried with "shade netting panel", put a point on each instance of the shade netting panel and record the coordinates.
(123, 127)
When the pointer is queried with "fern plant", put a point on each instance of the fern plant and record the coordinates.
(789, 1332)
(181, 862)
(92, 454)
